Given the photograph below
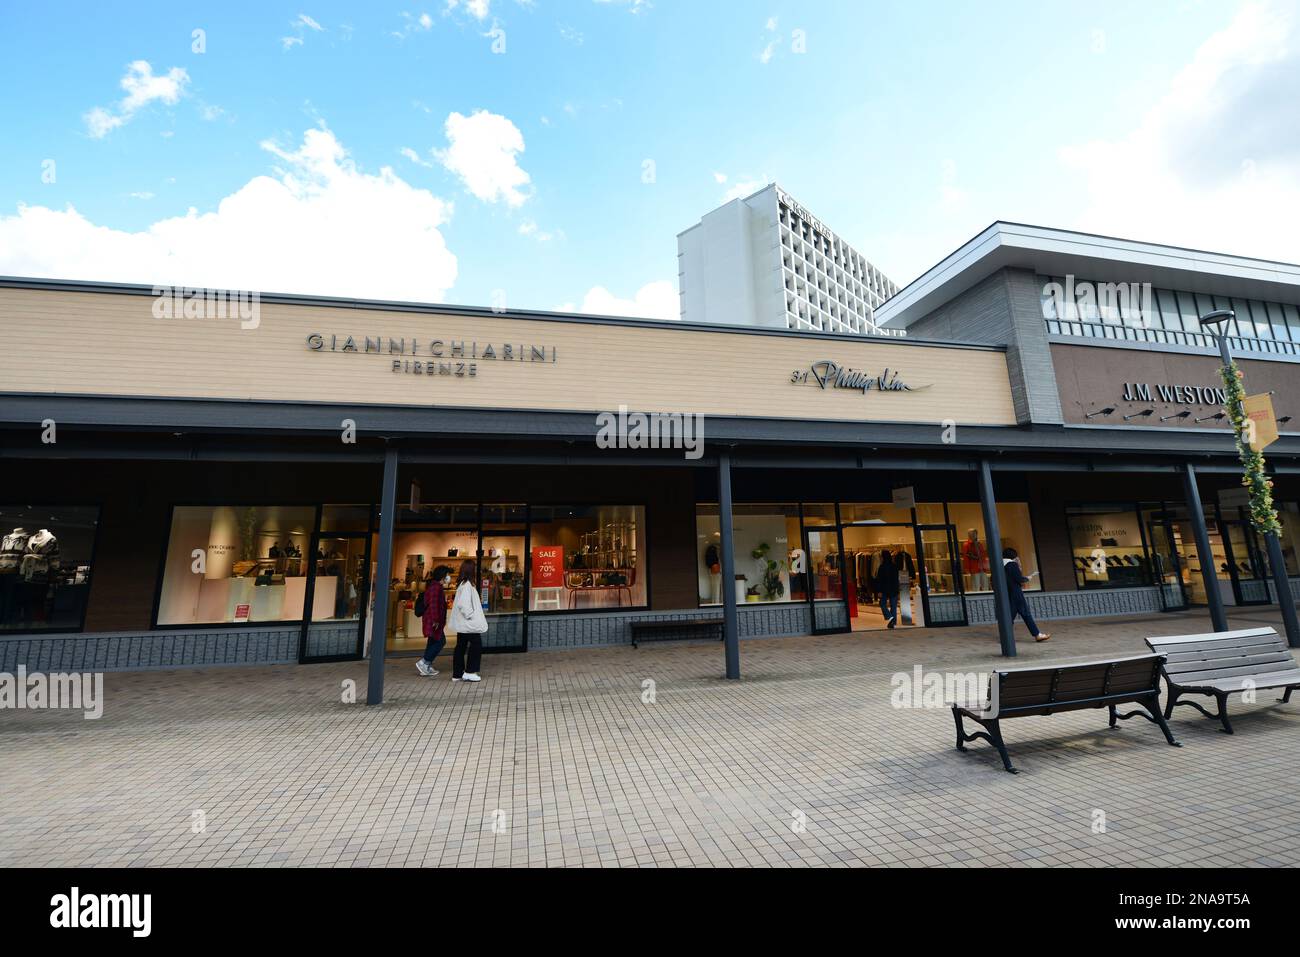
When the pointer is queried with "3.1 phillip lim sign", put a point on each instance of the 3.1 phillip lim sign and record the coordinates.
(831, 375)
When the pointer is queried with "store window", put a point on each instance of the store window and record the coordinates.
(45, 560)
(1107, 547)
(977, 559)
(587, 557)
(236, 564)
(770, 564)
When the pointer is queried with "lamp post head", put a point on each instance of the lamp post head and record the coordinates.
(1212, 320)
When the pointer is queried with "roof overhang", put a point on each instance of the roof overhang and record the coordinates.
(1057, 252)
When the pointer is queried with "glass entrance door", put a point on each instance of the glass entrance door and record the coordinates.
(337, 594)
(864, 546)
(503, 585)
(1243, 560)
(826, 581)
(1165, 563)
(941, 583)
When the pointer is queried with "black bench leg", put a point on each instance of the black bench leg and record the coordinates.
(1169, 705)
(1153, 705)
(1223, 711)
(961, 732)
(1114, 718)
(1287, 698)
(995, 736)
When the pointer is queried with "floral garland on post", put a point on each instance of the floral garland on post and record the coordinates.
(1262, 514)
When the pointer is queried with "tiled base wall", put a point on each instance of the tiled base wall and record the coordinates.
(158, 649)
(134, 651)
(1052, 605)
(577, 631)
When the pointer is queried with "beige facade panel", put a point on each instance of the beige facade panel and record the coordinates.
(91, 343)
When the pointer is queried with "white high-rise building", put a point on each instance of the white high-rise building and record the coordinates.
(766, 261)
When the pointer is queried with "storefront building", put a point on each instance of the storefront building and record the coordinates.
(183, 487)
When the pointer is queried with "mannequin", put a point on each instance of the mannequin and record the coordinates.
(713, 562)
(12, 548)
(38, 571)
(975, 561)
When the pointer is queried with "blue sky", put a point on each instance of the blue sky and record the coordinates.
(546, 154)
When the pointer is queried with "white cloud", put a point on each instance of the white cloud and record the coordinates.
(317, 225)
(141, 194)
(142, 88)
(413, 24)
(529, 228)
(654, 300)
(478, 9)
(1210, 165)
(414, 157)
(301, 24)
(482, 150)
(744, 187)
(719, 178)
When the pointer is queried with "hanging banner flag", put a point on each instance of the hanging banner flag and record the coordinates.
(1259, 410)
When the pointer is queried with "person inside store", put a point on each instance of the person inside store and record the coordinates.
(431, 606)
(1016, 581)
(886, 582)
(469, 623)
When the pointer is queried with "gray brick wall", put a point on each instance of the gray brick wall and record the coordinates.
(576, 631)
(1005, 309)
(1057, 605)
(135, 651)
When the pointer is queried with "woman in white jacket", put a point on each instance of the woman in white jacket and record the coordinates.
(469, 624)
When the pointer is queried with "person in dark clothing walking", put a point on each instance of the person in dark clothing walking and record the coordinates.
(1016, 581)
(432, 622)
(886, 582)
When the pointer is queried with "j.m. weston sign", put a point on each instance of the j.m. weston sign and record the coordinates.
(1177, 394)
(450, 357)
(831, 375)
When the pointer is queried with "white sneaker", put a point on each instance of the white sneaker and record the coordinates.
(423, 668)
(470, 676)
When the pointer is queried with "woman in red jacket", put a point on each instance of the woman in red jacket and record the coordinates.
(432, 622)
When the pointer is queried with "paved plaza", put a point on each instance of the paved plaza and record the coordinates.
(563, 759)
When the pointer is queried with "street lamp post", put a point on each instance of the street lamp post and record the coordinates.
(1277, 563)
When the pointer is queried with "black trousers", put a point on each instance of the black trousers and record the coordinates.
(466, 644)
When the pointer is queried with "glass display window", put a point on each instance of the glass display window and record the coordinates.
(46, 556)
(1108, 547)
(587, 557)
(978, 559)
(770, 563)
(236, 564)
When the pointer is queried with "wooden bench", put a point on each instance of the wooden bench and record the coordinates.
(1224, 663)
(698, 628)
(1021, 692)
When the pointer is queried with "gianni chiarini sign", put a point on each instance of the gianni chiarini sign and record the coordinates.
(436, 357)
(831, 375)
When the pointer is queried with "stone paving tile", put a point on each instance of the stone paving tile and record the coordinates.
(559, 752)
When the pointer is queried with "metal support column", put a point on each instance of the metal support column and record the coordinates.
(1282, 586)
(383, 574)
(993, 542)
(730, 629)
(1195, 512)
